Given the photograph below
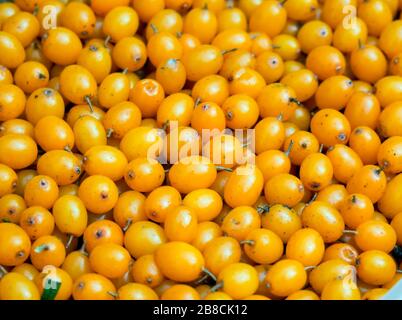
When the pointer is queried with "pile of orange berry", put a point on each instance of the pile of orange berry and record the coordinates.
(96, 204)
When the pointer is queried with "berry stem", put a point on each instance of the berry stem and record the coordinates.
(69, 241)
(89, 102)
(209, 273)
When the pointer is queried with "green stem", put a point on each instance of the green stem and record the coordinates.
(89, 102)
(216, 287)
(221, 168)
(229, 51)
(128, 224)
(353, 232)
(249, 242)
(264, 208)
(109, 132)
(209, 273)
(113, 294)
(69, 241)
(291, 144)
(3, 271)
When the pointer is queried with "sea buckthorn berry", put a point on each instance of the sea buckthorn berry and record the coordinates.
(37, 222)
(263, 246)
(284, 189)
(147, 94)
(232, 40)
(375, 235)
(300, 145)
(18, 151)
(104, 256)
(171, 74)
(129, 53)
(53, 133)
(277, 99)
(63, 166)
(114, 89)
(92, 286)
(268, 11)
(388, 90)
(202, 23)
(12, 101)
(16, 286)
(240, 221)
(169, 255)
(41, 191)
(270, 65)
(388, 204)
(17, 126)
(356, 209)
(89, 132)
(7, 10)
(232, 18)
(313, 34)
(246, 179)
(44, 102)
(47, 250)
(241, 111)
(325, 219)
(102, 231)
(369, 180)
(30, 76)
(15, 245)
(177, 107)
(363, 109)
(120, 22)
(11, 207)
(165, 20)
(208, 116)
(366, 143)
(163, 46)
(375, 267)
(285, 277)
(61, 46)
(129, 208)
(203, 60)
(345, 162)
(347, 37)
(281, 220)
(181, 224)
(326, 61)
(330, 127)
(143, 174)
(213, 88)
(342, 251)
(235, 60)
(327, 272)
(207, 231)
(368, 63)
(273, 162)
(306, 246)
(389, 155)
(246, 81)
(79, 18)
(316, 171)
(333, 194)
(160, 201)
(99, 194)
(390, 40)
(390, 120)
(303, 82)
(334, 93)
